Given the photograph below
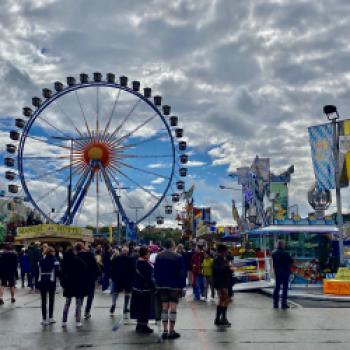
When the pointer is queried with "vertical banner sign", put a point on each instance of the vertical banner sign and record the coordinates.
(344, 152)
(280, 201)
(321, 141)
(202, 219)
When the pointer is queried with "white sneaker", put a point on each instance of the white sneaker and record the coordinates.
(78, 324)
(51, 321)
(64, 324)
(44, 323)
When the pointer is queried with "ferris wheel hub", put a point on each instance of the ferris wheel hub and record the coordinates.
(97, 151)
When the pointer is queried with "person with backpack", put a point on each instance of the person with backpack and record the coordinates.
(74, 281)
(48, 272)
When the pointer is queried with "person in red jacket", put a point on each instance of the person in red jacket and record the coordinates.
(197, 271)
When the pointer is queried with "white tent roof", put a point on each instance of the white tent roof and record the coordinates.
(295, 228)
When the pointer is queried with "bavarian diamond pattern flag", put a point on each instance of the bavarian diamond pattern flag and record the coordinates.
(321, 140)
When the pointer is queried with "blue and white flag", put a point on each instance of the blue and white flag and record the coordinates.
(321, 140)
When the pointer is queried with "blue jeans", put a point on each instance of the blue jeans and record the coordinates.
(198, 289)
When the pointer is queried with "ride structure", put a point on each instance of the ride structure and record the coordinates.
(99, 132)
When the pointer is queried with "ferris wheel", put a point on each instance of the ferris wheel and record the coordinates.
(96, 148)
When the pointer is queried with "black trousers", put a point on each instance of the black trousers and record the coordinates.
(284, 281)
(45, 291)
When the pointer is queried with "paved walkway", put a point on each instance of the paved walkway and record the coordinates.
(255, 325)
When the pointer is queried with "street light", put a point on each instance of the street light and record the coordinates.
(136, 208)
(332, 115)
(119, 188)
(71, 139)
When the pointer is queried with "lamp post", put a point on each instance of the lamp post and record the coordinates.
(332, 115)
(136, 208)
(119, 188)
(71, 139)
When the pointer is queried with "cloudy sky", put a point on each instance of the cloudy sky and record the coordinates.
(245, 77)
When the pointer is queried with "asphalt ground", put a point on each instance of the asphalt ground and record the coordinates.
(255, 325)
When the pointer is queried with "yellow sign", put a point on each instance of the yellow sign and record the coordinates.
(53, 230)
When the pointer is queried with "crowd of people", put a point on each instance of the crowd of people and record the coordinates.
(151, 278)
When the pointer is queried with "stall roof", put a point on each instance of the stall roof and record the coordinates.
(295, 228)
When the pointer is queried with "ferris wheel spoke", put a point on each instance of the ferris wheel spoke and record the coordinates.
(153, 138)
(132, 132)
(126, 155)
(43, 175)
(52, 190)
(116, 100)
(83, 114)
(46, 141)
(136, 183)
(97, 110)
(141, 170)
(47, 158)
(128, 115)
(68, 118)
(97, 203)
(52, 126)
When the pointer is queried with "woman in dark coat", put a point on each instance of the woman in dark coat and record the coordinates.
(48, 272)
(143, 288)
(74, 281)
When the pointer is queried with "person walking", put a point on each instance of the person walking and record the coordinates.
(106, 268)
(74, 281)
(208, 263)
(48, 272)
(170, 277)
(197, 272)
(222, 275)
(34, 256)
(122, 274)
(24, 266)
(188, 262)
(8, 267)
(142, 290)
(282, 263)
(93, 273)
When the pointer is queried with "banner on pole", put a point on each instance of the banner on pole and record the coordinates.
(321, 141)
(344, 152)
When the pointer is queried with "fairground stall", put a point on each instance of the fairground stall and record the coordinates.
(314, 248)
(53, 234)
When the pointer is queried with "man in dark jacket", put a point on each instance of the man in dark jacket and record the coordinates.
(122, 273)
(170, 276)
(34, 256)
(282, 263)
(93, 273)
(8, 267)
(222, 277)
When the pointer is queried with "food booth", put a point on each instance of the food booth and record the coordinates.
(53, 234)
(312, 247)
